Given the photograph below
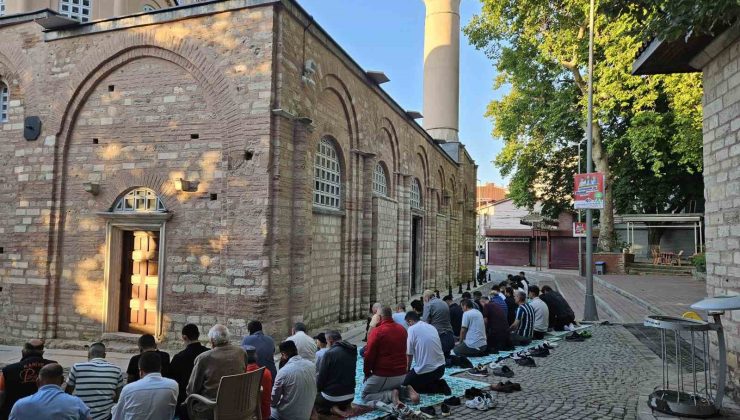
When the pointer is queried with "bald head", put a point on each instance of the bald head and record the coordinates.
(33, 347)
(51, 374)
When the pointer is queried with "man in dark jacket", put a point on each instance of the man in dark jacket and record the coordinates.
(18, 380)
(497, 326)
(385, 363)
(182, 364)
(510, 304)
(456, 314)
(560, 312)
(335, 380)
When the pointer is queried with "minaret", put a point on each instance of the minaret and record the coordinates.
(442, 69)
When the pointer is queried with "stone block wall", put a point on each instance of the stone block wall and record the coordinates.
(384, 245)
(722, 192)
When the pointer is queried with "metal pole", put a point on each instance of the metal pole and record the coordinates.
(589, 312)
(580, 242)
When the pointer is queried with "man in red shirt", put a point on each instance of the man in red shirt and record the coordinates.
(385, 363)
(266, 383)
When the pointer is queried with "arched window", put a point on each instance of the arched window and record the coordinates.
(4, 102)
(415, 194)
(327, 176)
(380, 180)
(76, 9)
(139, 200)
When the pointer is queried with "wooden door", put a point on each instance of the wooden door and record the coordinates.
(144, 281)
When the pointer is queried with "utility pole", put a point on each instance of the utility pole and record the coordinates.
(589, 312)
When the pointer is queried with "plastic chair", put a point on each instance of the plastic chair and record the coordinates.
(238, 397)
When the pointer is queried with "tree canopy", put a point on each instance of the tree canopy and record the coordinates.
(647, 129)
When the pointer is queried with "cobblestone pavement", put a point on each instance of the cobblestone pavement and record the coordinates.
(606, 377)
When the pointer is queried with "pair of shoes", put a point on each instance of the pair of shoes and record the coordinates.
(445, 410)
(540, 352)
(575, 337)
(482, 403)
(519, 355)
(507, 387)
(526, 361)
(472, 393)
(452, 401)
(548, 345)
(428, 412)
(479, 370)
(504, 371)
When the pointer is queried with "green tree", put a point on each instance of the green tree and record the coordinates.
(646, 131)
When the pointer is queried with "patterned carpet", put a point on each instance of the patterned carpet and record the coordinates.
(458, 385)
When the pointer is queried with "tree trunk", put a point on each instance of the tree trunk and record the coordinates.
(654, 236)
(606, 240)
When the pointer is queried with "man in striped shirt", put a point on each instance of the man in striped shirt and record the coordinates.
(523, 324)
(97, 382)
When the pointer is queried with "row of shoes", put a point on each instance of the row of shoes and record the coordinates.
(404, 412)
(479, 400)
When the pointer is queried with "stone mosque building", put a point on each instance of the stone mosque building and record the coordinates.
(164, 162)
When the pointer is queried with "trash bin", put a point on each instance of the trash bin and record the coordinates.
(600, 267)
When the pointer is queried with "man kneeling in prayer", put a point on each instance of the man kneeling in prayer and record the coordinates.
(423, 343)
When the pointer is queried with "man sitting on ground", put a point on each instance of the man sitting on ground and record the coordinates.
(497, 328)
(400, 315)
(385, 363)
(265, 382)
(223, 359)
(147, 343)
(150, 398)
(473, 332)
(476, 299)
(305, 344)
(96, 382)
(456, 314)
(182, 364)
(561, 314)
(523, 324)
(335, 381)
(498, 298)
(511, 305)
(18, 380)
(423, 344)
(264, 344)
(294, 391)
(437, 314)
(541, 314)
(50, 402)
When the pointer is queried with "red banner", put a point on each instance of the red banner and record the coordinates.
(589, 191)
(579, 229)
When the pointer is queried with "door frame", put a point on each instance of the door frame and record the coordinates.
(416, 264)
(116, 224)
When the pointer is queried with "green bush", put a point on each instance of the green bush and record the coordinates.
(700, 262)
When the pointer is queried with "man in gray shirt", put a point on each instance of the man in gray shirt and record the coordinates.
(294, 391)
(437, 314)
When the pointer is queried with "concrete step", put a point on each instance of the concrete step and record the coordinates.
(649, 271)
(121, 342)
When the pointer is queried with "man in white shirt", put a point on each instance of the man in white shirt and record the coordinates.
(96, 382)
(541, 313)
(305, 344)
(472, 332)
(150, 398)
(424, 345)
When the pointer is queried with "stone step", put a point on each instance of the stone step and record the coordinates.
(121, 342)
(649, 271)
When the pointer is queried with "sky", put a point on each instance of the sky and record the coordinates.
(388, 36)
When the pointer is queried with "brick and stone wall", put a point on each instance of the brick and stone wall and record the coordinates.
(213, 94)
(722, 191)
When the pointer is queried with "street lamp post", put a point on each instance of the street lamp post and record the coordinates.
(589, 312)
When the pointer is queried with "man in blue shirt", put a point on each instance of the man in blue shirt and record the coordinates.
(50, 402)
(264, 344)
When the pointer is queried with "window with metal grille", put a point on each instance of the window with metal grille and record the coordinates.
(327, 176)
(2, 7)
(4, 102)
(139, 200)
(76, 9)
(380, 181)
(415, 194)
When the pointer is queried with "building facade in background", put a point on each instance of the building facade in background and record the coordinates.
(212, 163)
(490, 193)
